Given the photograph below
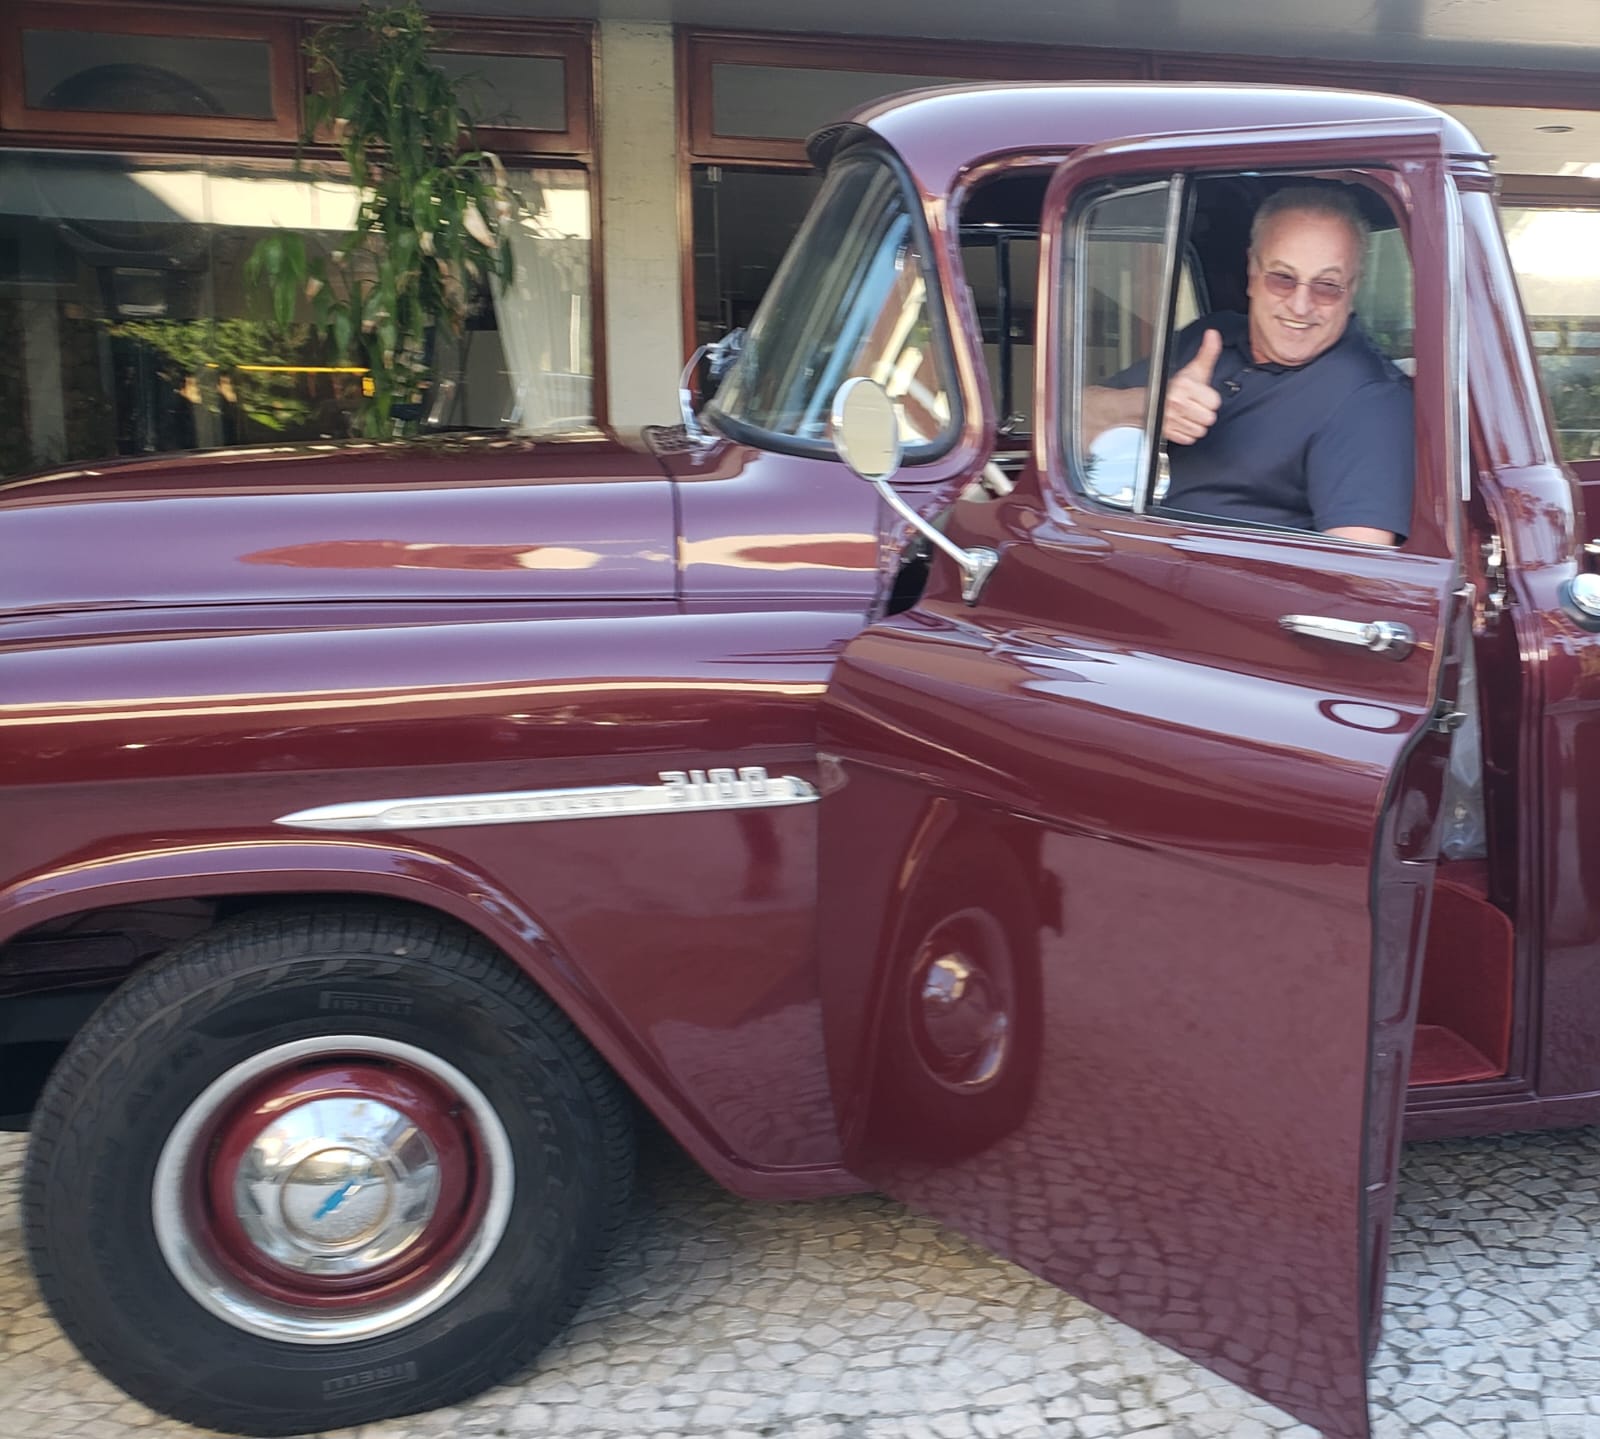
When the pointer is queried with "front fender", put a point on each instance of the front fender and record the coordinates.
(405, 873)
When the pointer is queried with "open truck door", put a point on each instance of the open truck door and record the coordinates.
(1127, 862)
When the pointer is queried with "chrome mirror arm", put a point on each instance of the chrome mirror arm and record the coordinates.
(865, 426)
(691, 422)
(976, 565)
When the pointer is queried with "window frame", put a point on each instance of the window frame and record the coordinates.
(1065, 479)
(281, 34)
(1179, 188)
(571, 42)
(702, 50)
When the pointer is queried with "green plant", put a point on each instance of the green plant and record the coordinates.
(427, 233)
(244, 362)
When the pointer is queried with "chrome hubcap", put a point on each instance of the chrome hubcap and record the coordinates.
(333, 1189)
(337, 1186)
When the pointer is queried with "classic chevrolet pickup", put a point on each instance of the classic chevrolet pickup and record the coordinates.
(387, 824)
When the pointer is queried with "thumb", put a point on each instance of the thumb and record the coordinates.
(1205, 362)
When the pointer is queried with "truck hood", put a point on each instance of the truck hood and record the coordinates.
(460, 518)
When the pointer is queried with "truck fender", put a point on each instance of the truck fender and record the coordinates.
(379, 870)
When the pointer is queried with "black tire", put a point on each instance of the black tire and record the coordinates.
(166, 1100)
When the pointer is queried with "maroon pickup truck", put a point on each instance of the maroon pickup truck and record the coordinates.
(387, 825)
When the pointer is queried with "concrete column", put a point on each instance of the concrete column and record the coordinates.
(639, 223)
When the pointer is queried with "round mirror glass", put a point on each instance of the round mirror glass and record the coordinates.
(866, 431)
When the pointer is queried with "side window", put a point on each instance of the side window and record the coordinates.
(1385, 303)
(1288, 403)
(854, 296)
(1553, 252)
(1002, 266)
(1115, 311)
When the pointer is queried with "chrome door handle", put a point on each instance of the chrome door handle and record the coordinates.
(1382, 637)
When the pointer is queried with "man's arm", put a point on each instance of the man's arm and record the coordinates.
(1191, 408)
(1360, 466)
(1365, 533)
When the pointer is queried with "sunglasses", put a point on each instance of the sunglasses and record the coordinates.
(1323, 292)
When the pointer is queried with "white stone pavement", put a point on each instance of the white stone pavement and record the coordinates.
(853, 1319)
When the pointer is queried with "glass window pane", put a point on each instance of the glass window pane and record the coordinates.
(1553, 253)
(1115, 310)
(789, 102)
(743, 223)
(147, 74)
(127, 327)
(1384, 297)
(851, 298)
(127, 324)
(1006, 316)
(524, 92)
(534, 366)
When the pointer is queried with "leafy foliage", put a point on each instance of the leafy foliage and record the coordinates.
(1574, 385)
(426, 234)
(210, 361)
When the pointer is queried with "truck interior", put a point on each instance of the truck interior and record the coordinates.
(1464, 1033)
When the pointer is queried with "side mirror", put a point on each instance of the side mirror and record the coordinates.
(693, 393)
(866, 430)
(866, 436)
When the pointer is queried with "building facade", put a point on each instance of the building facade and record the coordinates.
(145, 148)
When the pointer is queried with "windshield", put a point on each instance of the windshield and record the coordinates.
(851, 298)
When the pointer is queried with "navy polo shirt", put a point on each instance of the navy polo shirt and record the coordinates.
(1311, 446)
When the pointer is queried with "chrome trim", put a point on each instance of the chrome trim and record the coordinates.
(1494, 573)
(1583, 591)
(337, 1186)
(681, 791)
(1460, 424)
(1156, 388)
(976, 565)
(691, 421)
(1382, 637)
(234, 1302)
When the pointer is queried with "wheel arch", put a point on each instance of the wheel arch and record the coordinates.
(241, 877)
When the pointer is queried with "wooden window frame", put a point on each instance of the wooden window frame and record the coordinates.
(570, 42)
(700, 50)
(278, 31)
(1435, 84)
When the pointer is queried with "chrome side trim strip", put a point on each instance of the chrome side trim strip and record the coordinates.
(680, 791)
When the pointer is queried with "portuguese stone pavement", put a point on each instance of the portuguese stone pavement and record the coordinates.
(854, 1319)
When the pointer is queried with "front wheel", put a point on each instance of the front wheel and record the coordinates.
(317, 1169)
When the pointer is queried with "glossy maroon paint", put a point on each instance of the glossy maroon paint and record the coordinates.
(1190, 851)
(476, 519)
(678, 940)
(1163, 784)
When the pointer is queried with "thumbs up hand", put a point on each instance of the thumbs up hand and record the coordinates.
(1192, 403)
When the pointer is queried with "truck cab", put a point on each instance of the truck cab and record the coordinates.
(1115, 882)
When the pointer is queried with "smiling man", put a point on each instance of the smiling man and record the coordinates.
(1287, 415)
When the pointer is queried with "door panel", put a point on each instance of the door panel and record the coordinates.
(1123, 891)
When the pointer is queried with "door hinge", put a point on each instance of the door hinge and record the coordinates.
(1447, 719)
(1498, 594)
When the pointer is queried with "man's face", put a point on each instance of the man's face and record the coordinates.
(1304, 246)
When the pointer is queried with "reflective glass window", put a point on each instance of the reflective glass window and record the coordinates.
(147, 74)
(789, 102)
(1553, 253)
(524, 92)
(127, 326)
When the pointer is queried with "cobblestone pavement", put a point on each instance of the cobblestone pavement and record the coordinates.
(853, 1319)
